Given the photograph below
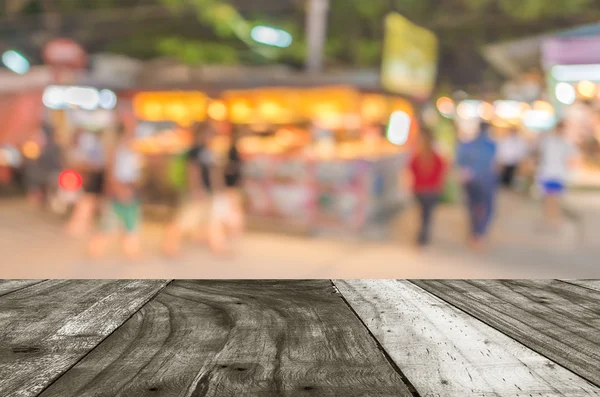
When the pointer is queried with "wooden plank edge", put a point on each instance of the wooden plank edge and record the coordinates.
(411, 388)
(532, 348)
(23, 287)
(133, 313)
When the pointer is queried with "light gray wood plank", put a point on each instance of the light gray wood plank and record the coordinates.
(237, 338)
(445, 352)
(9, 286)
(556, 319)
(46, 328)
(591, 284)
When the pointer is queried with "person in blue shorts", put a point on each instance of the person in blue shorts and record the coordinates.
(556, 155)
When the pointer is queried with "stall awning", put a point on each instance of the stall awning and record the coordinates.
(520, 56)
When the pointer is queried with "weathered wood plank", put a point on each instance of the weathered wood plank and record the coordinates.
(237, 338)
(46, 328)
(8, 286)
(556, 319)
(591, 284)
(445, 352)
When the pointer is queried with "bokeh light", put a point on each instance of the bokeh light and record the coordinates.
(565, 93)
(31, 150)
(445, 106)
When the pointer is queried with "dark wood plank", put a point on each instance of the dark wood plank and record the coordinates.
(558, 320)
(46, 328)
(591, 284)
(445, 352)
(9, 286)
(237, 338)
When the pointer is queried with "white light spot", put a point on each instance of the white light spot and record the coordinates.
(108, 99)
(399, 128)
(565, 93)
(271, 36)
(15, 62)
(54, 97)
(83, 97)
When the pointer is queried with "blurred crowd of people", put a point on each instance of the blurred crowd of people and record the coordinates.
(210, 209)
(484, 165)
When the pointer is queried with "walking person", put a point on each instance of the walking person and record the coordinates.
(556, 155)
(228, 209)
(478, 173)
(203, 180)
(512, 150)
(42, 171)
(89, 159)
(122, 207)
(428, 170)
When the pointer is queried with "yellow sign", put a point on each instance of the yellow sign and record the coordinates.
(410, 54)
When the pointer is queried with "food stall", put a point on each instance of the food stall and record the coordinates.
(322, 162)
(316, 158)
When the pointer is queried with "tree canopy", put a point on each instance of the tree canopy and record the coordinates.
(355, 30)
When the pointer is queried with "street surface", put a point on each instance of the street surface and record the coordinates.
(34, 246)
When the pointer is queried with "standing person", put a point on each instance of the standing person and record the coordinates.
(122, 209)
(42, 172)
(477, 167)
(228, 210)
(512, 150)
(428, 170)
(89, 158)
(203, 180)
(555, 156)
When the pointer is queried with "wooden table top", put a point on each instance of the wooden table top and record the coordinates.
(189, 338)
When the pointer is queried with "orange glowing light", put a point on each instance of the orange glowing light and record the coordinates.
(587, 89)
(217, 110)
(486, 111)
(270, 110)
(374, 108)
(445, 106)
(31, 150)
(543, 105)
(240, 111)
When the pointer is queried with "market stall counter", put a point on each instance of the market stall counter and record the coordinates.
(316, 196)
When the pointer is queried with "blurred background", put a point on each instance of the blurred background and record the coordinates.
(331, 99)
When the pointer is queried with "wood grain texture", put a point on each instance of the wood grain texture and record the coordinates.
(46, 328)
(445, 352)
(237, 338)
(591, 284)
(558, 320)
(9, 286)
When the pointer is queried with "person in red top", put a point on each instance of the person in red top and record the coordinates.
(428, 171)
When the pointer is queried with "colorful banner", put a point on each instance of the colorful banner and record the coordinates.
(410, 54)
(571, 51)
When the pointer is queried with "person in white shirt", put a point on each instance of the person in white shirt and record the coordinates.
(512, 150)
(556, 155)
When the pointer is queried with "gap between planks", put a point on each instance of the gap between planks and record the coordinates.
(537, 338)
(390, 360)
(408, 321)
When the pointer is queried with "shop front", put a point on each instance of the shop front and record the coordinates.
(324, 159)
(570, 62)
(316, 158)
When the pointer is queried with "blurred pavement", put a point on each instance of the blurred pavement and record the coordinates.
(33, 246)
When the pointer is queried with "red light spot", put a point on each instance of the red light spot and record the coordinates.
(70, 180)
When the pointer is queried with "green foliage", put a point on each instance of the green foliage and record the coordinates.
(195, 52)
(536, 9)
(355, 31)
